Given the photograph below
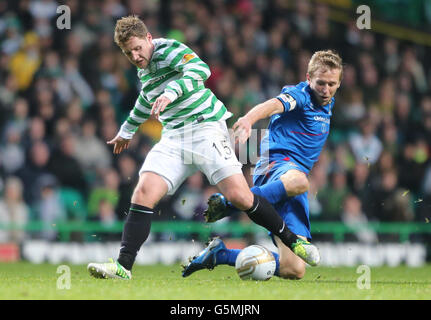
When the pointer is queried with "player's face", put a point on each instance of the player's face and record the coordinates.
(324, 84)
(139, 50)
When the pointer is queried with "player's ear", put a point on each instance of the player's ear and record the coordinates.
(307, 75)
(149, 37)
(339, 83)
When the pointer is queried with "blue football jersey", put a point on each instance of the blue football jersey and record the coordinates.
(299, 133)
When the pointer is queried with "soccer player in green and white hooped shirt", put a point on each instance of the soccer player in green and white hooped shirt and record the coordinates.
(194, 137)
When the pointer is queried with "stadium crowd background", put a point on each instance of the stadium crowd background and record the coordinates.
(64, 93)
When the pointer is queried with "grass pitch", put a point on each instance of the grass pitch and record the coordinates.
(25, 281)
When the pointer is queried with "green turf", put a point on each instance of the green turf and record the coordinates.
(28, 281)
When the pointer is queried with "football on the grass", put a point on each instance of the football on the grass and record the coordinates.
(255, 263)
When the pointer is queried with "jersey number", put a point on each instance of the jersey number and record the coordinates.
(225, 151)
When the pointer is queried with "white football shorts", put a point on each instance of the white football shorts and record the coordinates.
(204, 147)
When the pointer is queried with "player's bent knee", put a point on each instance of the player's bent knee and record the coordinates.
(149, 191)
(142, 195)
(292, 272)
(240, 199)
(295, 183)
(291, 275)
(141, 190)
(302, 186)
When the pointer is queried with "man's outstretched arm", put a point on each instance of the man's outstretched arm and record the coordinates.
(243, 126)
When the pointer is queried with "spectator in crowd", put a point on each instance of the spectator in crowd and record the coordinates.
(402, 116)
(332, 197)
(36, 168)
(66, 167)
(75, 84)
(412, 164)
(91, 152)
(48, 207)
(392, 59)
(19, 119)
(390, 202)
(412, 66)
(390, 136)
(25, 62)
(360, 184)
(45, 104)
(351, 108)
(343, 158)
(35, 132)
(425, 116)
(365, 145)
(108, 191)
(13, 210)
(354, 217)
(107, 217)
(11, 153)
(74, 113)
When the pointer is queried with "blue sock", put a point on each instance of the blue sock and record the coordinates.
(273, 192)
(228, 256)
(277, 264)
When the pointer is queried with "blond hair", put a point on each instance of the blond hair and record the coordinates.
(127, 27)
(327, 59)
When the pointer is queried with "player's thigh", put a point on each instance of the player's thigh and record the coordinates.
(291, 266)
(295, 182)
(167, 160)
(214, 156)
(150, 189)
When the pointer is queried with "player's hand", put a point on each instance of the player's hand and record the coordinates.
(159, 105)
(119, 143)
(242, 129)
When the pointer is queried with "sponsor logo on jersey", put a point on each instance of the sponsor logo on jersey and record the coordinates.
(157, 78)
(187, 57)
(323, 119)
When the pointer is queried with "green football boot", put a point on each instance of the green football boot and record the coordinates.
(109, 270)
(306, 251)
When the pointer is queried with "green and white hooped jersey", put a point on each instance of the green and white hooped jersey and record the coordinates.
(179, 74)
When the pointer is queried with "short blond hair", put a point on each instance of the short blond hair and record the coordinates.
(127, 27)
(327, 59)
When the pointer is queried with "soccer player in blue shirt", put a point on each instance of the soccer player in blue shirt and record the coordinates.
(299, 126)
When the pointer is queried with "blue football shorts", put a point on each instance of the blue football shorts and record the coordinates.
(295, 210)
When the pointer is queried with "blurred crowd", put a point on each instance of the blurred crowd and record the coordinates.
(65, 92)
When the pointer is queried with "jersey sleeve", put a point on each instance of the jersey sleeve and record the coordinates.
(139, 114)
(292, 98)
(194, 72)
